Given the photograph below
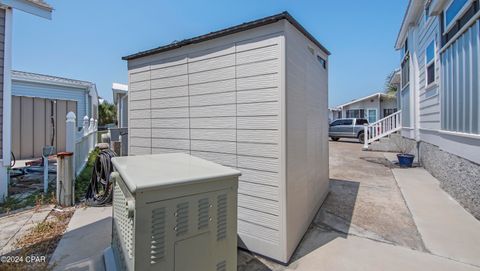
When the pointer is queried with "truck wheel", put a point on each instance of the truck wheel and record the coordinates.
(361, 137)
(335, 138)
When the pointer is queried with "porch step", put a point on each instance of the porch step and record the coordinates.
(385, 144)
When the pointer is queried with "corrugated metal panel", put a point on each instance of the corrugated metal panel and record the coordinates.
(53, 92)
(32, 125)
(461, 83)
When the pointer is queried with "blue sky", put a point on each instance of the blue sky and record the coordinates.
(86, 39)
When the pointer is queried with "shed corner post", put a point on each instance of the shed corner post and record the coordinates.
(7, 107)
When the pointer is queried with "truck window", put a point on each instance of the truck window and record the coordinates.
(336, 123)
(347, 122)
(362, 121)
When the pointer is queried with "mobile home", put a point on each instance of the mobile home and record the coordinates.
(439, 45)
(252, 97)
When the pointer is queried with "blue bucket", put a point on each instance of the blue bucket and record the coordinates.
(405, 160)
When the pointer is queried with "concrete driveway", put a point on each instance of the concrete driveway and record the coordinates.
(374, 218)
(366, 223)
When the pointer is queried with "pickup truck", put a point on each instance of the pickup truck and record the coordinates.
(347, 128)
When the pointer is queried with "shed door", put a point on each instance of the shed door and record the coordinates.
(37, 122)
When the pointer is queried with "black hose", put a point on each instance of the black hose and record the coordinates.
(99, 191)
(13, 160)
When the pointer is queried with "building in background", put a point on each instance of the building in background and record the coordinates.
(36, 8)
(120, 99)
(372, 107)
(439, 44)
(40, 104)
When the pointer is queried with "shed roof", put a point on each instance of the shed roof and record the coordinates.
(228, 31)
(54, 80)
(41, 3)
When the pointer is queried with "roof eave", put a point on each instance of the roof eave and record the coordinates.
(411, 15)
(44, 11)
(378, 94)
(437, 7)
(229, 31)
(24, 77)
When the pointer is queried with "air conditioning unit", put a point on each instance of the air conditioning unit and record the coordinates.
(173, 212)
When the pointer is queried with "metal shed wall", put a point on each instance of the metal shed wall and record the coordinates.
(224, 100)
(307, 153)
(32, 125)
(53, 92)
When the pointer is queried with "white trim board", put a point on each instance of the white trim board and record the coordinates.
(29, 7)
(7, 105)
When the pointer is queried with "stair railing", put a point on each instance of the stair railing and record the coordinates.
(382, 128)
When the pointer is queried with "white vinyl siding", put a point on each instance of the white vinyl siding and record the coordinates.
(429, 114)
(222, 105)
(307, 134)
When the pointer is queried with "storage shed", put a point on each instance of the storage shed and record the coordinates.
(252, 97)
(40, 104)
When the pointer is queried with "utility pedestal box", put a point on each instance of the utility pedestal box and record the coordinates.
(174, 212)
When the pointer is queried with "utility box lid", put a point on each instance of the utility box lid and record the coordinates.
(166, 170)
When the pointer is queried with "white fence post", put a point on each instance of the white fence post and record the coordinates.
(71, 132)
(71, 135)
(365, 136)
(85, 125)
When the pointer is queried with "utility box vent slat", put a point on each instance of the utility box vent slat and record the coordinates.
(157, 242)
(182, 218)
(203, 213)
(221, 217)
(222, 266)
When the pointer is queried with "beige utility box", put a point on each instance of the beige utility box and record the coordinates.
(174, 212)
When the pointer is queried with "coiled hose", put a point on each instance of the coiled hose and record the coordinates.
(99, 191)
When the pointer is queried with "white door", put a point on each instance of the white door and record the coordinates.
(372, 115)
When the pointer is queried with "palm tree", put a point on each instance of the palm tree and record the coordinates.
(107, 113)
(390, 89)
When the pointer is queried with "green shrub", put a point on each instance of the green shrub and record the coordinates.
(83, 180)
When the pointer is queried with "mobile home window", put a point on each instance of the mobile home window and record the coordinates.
(388, 111)
(452, 12)
(405, 71)
(430, 62)
(355, 113)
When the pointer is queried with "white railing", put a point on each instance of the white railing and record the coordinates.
(382, 128)
(80, 142)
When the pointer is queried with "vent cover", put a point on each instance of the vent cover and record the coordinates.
(221, 217)
(182, 218)
(222, 266)
(125, 224)
(157, 242)
(203, 213)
